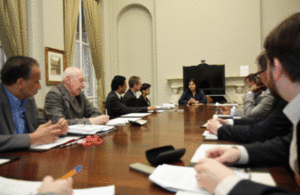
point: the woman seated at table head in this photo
(143, 100)
(193, 95)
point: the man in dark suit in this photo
(114, 102)
(282, 47)
(68, 101)
(143, 100)
(20, 122)
(247, 130)
(130, 98)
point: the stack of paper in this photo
(90, 129)
(120, 121)
(207, 135)
(135, 115)
(178, 178)
(58, 142)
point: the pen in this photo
(72, 173)
(71, 142)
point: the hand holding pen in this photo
(62, 185)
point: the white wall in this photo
(275, 11)
(219, 31)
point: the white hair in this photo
(71, 71)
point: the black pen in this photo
(69, 144)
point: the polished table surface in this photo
(108, 164)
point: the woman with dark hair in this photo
(193, 95)
(143, 100)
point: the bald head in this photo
(71, 72)
(73, 80)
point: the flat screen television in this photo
(210, 78)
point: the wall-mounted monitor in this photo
(210, 78)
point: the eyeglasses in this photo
(258, 73)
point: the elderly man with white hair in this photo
(68, 101)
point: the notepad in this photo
(90, 129)
(58, 142)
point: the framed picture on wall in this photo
(55, 65)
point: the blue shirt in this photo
(18, 109)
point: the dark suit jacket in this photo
(143, 102)
(275, 124)
(60, 104)
(187, 95)
(8, 139)
(269, 153)
(115, 107)
(130, 99)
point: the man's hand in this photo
(210, 173)
(225, 155)
(45, 134)
(254, 88)
(63, 123)
(152, 108)
(60, 186)
(99, 120)
(222, 121)
(213, 126)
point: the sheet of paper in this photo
(200, 152)
(120, 121)
(135, 115)
(158, 111)
(170, 105)
(22, 187)
(264, 178)
(107, 190)
(174, 178)
(3, 161)
(244, 70)
(58, 142)
(17, 187)
(209, 136)
(187, 193)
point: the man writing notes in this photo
(68, 101)
(282, 47)
(114, 102)
(20, 122)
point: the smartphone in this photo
(146, 169)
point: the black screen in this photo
(210, 78)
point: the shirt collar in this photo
(15, 103)
(119, 96)
(292, 110)
(133, 93)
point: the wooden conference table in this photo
(108, 164)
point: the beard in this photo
(272, 86)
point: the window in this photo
(2, 57)
(83, 60)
